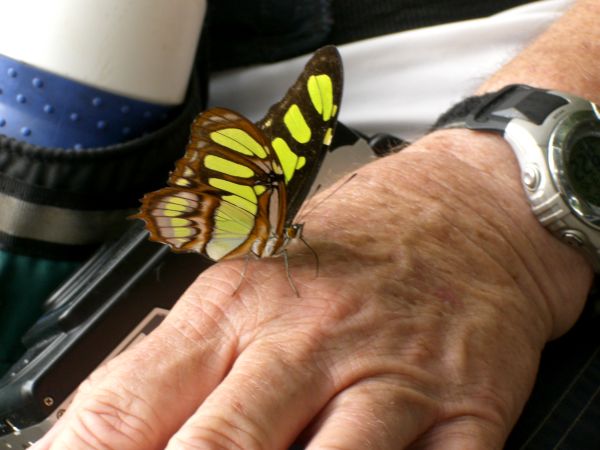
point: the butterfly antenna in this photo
(316, 205)
(301, 213)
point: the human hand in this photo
(423, 328)
(437, 290)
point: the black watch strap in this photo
(493, 111)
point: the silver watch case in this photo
(542, 152)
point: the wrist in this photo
(485, 188)
(565, 59)
(434, 240)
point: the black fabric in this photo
(262, 31)
(107, 200)
(359, 19)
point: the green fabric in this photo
(25, 283)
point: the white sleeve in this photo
(399, 83)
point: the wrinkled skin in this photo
(437, 291)
(388, 346)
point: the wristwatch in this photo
(556, 139)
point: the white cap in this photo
(143, 49)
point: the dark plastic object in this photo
(87, 318)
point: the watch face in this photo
(574, 164)
(583, 168)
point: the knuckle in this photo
(221, 434)
(106, 421)
(202, 319)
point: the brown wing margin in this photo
(182, 219)
(191, 170)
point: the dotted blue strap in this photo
(48, 110)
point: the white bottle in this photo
(86, 73)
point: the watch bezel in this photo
(567, 131)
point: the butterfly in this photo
(239, 185)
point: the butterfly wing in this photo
(238, 183)
(219, 195)
(300, 127)
(223, 145)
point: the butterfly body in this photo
(239, 185)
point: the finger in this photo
(377, 413)
(45, 441)
(463, 433)
(269, 396)
(122, 405)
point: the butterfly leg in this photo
(314, 254)
(287, 273)
(243, 274)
